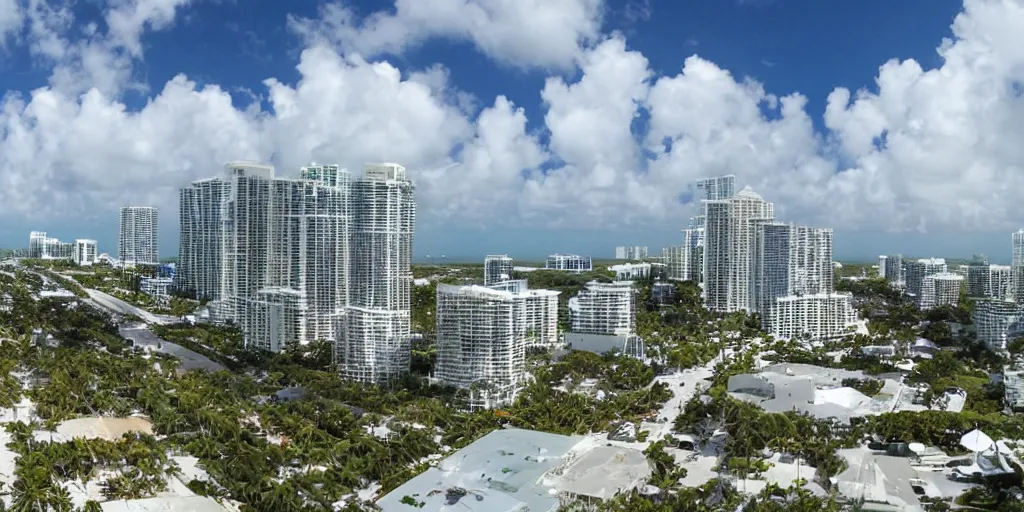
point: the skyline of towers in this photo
(781, 271)
(317, 257)
(138, 242)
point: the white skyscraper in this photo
(200, 244)
(717, 188)
(730, 242)
(1018, 248)
(1017, 267)
(794, 283)
(309, 258)
(137, 244)
(270, 252)
(305, 288)
(245, 237)
(791, 260)
(36, 244)
(497, 268)
(376, 346)
(1000, 282)
(891, 268)
(482, 337)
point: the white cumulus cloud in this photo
(616, 145)
(11, 19)
(523, 33)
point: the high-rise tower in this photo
(376, 345)
(199, 251)
(137, 243)
(729, 250)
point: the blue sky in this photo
(786, 46)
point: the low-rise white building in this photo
(1013, 382)
(604, 308)
(939, 289)
(631, 271)
(157, 287)
(819, 316)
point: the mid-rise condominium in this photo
(630, 252)
(604, 308)
(497, 268)
(376, 346)
(85, 252)
(916, 270)
(819, 316)
(569, 263)
(998, 322)
(137, 243)
(891, 268)
(940, 289)
(49, 248)
(483, 334)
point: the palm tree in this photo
(92, 506)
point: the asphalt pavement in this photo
(190, 360)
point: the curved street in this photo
(116, 305)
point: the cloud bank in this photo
(922, 149)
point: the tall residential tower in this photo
(376, 344)
(730, 240)
(137, 243)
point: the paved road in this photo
(116, 305)
(189, 360)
